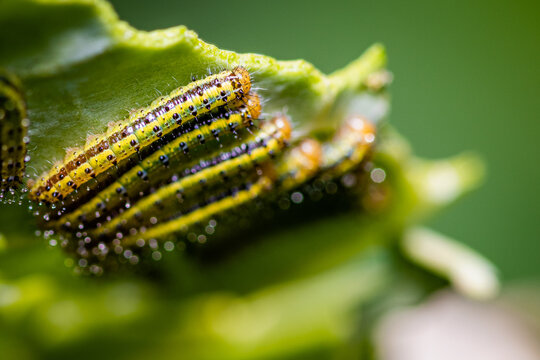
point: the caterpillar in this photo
(182, 223)
(299, 164)
(139, 131)
(13, 134)
(309, 159)
(348, 147)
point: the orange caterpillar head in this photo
(307, 155)
(358, 129)
(283, 126)
(243, 77)
(251, 106)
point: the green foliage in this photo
(293, 291)
(84, 68)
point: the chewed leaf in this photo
(84, 68)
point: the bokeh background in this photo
(467, 77)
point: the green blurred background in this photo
(467, 76)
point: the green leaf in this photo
(83, 68)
